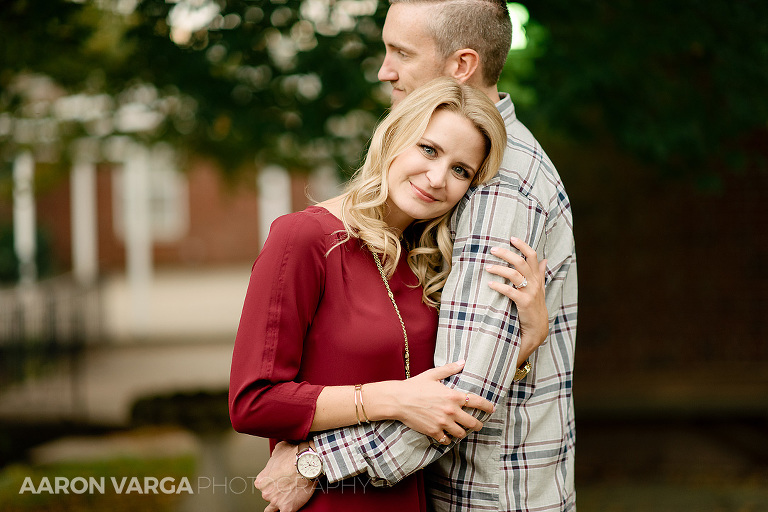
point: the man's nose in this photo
(386, 72)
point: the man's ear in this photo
(463, 65)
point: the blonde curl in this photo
(364, 203)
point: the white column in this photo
(85, 255)
(138, 236)
(274, 185)
(324, 183)
(24, 216)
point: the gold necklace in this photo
(397, 310)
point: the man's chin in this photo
(397, 95)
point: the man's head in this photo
(466, 39)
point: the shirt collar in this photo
(506, 108)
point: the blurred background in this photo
(147, 145)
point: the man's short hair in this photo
(480, 25)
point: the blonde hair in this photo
(364, 203)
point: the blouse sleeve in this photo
(283, 293)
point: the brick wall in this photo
(223, 220)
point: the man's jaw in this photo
(397, 95)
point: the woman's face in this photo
(429, 178)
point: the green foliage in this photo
(520, 69)
(202, 412)
(46, 37)
(679, 84)
(9, 262)
(12, 478)
(260, 79)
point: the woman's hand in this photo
(525, 286)
(426, 405)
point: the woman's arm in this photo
(286, 283)
(264, 398)
(423, 403)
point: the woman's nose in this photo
(437, 176)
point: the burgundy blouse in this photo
(314, 318)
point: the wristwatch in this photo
(522, 371)
(308, 462)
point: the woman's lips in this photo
(423, 195)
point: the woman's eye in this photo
(462, 172)
(428, 150)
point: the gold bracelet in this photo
(358, 387)
(361, 404)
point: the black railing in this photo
(45, 323)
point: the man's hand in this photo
(279, 482)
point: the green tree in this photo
(681, 85)
(288, 82)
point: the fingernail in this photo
(460, 362)
(488, 267)
(494, 250)
(514, 239)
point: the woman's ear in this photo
(463, 65)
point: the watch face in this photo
(309, 465)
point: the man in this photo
(523, 458)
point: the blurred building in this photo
(152, 264)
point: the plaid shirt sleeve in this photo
(526, 200)
(388, 451)
(523, 457)
(477, 324)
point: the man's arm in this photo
(388, 451)
(477, 324)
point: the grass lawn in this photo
(131, 498)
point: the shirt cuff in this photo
(340, 454)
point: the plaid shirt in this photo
(523, 458)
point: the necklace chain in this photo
(397, 310)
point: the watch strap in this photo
(522, 371)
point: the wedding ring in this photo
(466, 400)
(522, 285)
(443, 439)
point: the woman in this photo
(342, 302)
